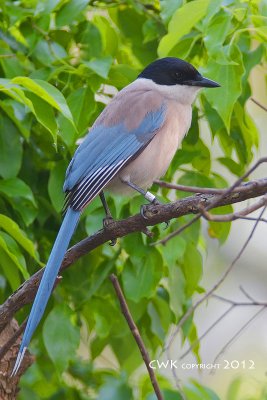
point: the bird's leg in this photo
(147, 195)
(108, 218)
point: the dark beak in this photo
(203, 82)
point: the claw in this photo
(142, 211)
(155, 202)
(107, 221)
(167, 224)
(113, 242)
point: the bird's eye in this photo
(178, 75)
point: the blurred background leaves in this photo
(60, 63)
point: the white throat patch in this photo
(181, 93)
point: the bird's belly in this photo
(154, 160)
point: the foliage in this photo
(59, 62)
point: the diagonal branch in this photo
(215, 287)
(237, 215)
(216, 201)
(136, 334)
(155, 214)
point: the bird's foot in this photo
(154, 202)
(107, 221)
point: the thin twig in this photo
(248, 296)
(233, 304)
(245, 218)
(175, 377)
(237, 215)
(198, 340)
(240, 303)
(231, 341)
(204, 190)
(258, 104)
(214, 203)
(215, 287)
(135, 332)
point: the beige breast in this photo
(155, 159)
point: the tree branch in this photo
(216, 200)
(137, 337)
(233, 304)
(258, 104)
(215, 287)
(155, 214)
(237, 215)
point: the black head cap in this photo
(174, 71)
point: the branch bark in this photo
(155, 214)
(136, 334)
(9, 386)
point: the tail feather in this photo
(48, 280)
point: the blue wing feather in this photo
(103, 153)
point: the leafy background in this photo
(60, 62)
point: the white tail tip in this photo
(18, 362)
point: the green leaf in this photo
(61, 336)
(195, 391)
(114, 388)
(82, 105)
(232, 165)
(9, 266)
(15, 187)
(10, 149)
(108, 34)
(70, 11)
(167, 395)
(234, 389)
(176, 285)
(12, 67)
(160, 316)
(216, 32)
(220, 230)
(184, 47)
(46, 92)
(174, 251)
(156, 326)
(201, 161)
(55, 185)
(230, 78)
(18, 115)
(195, 179)
(44, 114)
(49, 53)
(90, 40)
(192, 268)
(181, 23)
(100, 66)
(121, 75)
(13, 230)
(168, 8)
(12, 261)
(192, 337)
(15, 92)
(141, 278)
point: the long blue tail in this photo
(50, 274)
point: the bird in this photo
(131, 143)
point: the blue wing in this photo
(103, 153)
